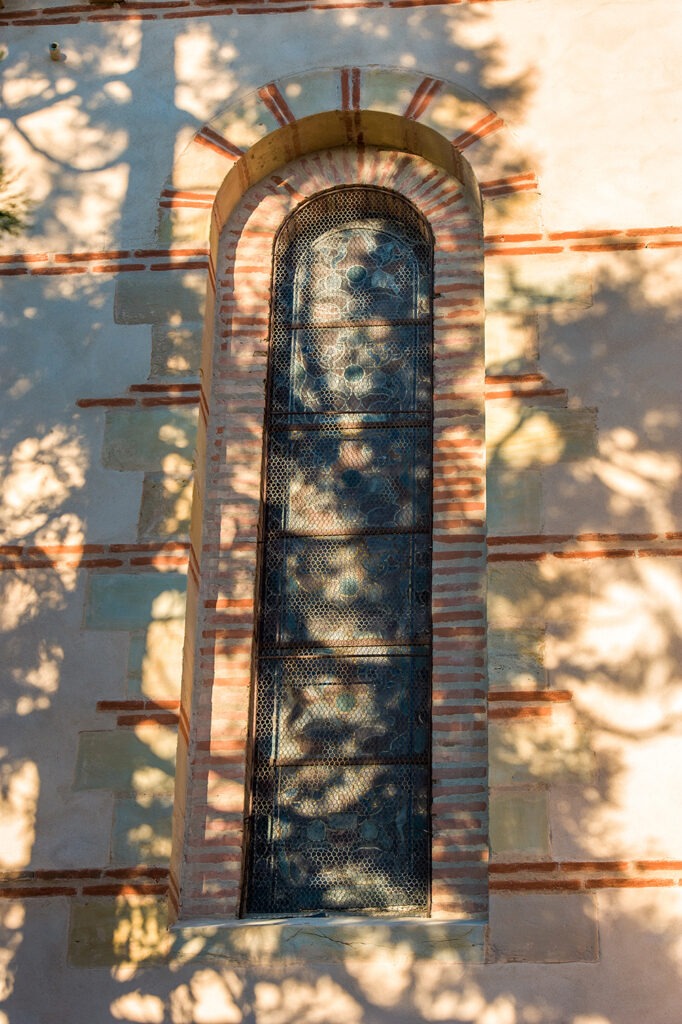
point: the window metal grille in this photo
(340, 787)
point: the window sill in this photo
(331, 940)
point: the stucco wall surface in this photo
(589, 89)
(129, 156)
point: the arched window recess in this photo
(340, 777)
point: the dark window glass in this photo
(340, 788)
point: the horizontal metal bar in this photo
(378, 531)
(345, 762)
(357, 425)
(344, 324)
(413, 650)
(352, 644)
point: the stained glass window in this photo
(340, 786)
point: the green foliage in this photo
(13, 206)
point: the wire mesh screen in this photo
(341, 784)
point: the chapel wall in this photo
(136, 151)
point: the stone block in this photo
(334, 940)
(150, 439)
(519, 822)
(142, 831)
(155, 661)
(148, 297)
(125, 930)
(132, 930)
(531, 594)
(526, 283)
(540, 750)
(514, 501)
(516, 658)
(128, 602)
(511, 343)
(176, 350)
(523, 437)
(546, 928)
(127, 761)
(517, 594)
(166, 506)
(136, 652)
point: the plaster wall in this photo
(583, 296)
(588, 88)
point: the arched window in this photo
(340, 780)
(318, 771)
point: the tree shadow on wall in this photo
(587, 757)
(633, 475)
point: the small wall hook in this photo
(55, 52)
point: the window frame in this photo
(327, 208)
(207, 858)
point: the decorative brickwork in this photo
(207, 866)
(95, 11)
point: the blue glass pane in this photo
(342, 837)
(359, 272)
(344, 708)
(374, 372)
(330, 592)
(340, 786)
(340, 482)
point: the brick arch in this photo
(287, 118)
(207, 863)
